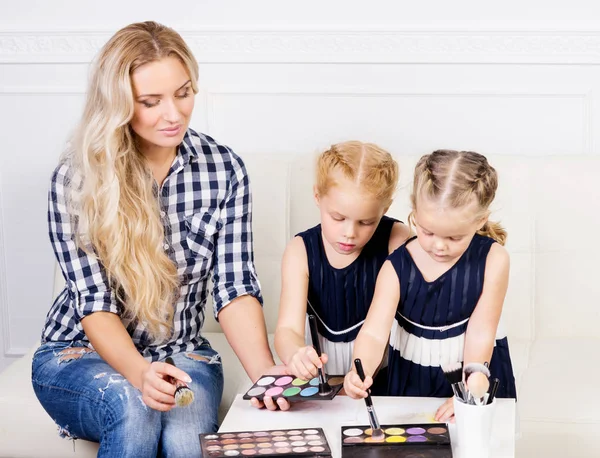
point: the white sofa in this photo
(549, 206)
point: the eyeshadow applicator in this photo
(324, 388)
(183, 395)
(373, 420)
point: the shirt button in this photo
(163, 214)
(166, 246)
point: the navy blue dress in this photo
(340, 298)
(431, 321)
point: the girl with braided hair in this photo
(441, 293)
(330, 270)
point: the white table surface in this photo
(343, 411)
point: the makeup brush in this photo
(324, 388)
(477, 381)
(454, 375)
(493, 390)
(184, 396)
(377, 431)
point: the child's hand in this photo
(268, 402)
(354, 387)
(305, 363)
(445, 413)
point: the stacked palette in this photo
(428, 440)
(294, 389)
(284, 442)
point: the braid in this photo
(454, 178)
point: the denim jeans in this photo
(90, 400)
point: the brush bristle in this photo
(478, 385)
(476, 367)
(183, 396)
(377, 435)
(453, 372)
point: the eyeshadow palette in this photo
(293, 389)
(283, 442)
(422, 440)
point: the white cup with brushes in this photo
(473, 413)
(474, 428)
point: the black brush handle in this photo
(312, 322)
(368, 401)
(361, 374)
(493, 390)
(168, 378)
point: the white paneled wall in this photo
(524, 80)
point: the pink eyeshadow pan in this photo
(352, 440)
(283, 381)
(275, 391)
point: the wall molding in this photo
(333, 45)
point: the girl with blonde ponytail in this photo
(442, 291)
(329, 270)
(137, 243)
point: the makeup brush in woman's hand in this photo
(184, 396)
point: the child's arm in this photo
(302, 360)
(375, 332)
(481, 331)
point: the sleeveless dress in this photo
(340, 298)
(431, 321)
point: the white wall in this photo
(516, 78)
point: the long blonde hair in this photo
(115, 206)
(454, 178)
(366, 164)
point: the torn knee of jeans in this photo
(71, 353)
(216, 359)
(65, 433)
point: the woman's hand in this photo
(354, 387)
(281, 403)
(305, 363)
(445, 413)
(157, 389)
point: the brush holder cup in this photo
(474, 429)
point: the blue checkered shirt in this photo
(205, 205)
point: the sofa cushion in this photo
(559, 382)
(24, 419)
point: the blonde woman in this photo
(142, 212)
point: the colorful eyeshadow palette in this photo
(422, 440)
(283, 442)
(293, 389)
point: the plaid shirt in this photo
(205, 204)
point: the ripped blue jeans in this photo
(88, 399)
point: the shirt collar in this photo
(186, 152)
